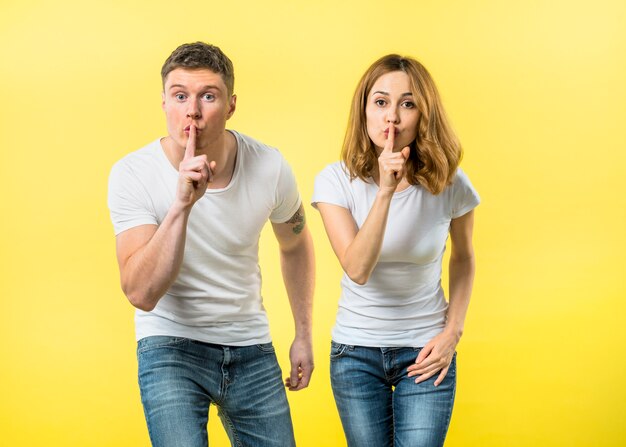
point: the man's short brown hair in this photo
(198, 55)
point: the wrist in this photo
(454, 329)
(180, 208)
(385, 193)
(305, 334)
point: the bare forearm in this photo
(298, 268)
(460, 288)
(152, 269)
(362, 254)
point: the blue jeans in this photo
(179, 378)
(381, 406)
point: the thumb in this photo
(293, 376)
(406, 151)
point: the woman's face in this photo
(391, 103)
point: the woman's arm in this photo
(437, 354)
(358, 249)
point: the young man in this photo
(187, 211)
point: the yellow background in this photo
(536, 91)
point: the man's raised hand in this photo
(194, 172)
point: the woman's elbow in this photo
(358, 277)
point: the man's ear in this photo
(233, 106)
(163, 100)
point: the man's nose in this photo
(193, 111)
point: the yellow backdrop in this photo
(536, 91)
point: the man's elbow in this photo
(140, 304)
(139, 300)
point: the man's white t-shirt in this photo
(402, 303)
(216, 297)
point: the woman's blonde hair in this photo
(436, 151)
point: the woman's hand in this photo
(391, 164)
(435, 357)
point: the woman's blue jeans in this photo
(179, 378)
(381, 406)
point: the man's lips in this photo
(188, 128)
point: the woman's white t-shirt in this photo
(402, 303)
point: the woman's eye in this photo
(380, 102)
(408, 104)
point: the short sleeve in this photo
(330, 187)
(287, 198)
(128, 201)
(464, 196)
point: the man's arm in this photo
(150, 256)
(297, 262)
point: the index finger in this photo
(391, 136)
(190, 149)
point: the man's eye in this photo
(180, 96)
(208, 97)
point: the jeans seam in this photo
(175, 341)
(342, 350)
(263, 349)
(231, 427)
(145, 410)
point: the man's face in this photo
(197, 97)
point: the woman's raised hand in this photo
(391, 164)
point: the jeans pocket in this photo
(337, 350)
(452, 369)
(265, 347)
(158, 341)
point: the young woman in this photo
(388, 207)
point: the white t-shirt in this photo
(216, 297)
(402, 303)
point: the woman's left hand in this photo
(435, 357)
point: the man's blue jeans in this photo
(381, 406)
(179, 378)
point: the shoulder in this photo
(336, 171)
(462, 195)
(460, 176)
(137, 160)
(461, 182)
(251, 147)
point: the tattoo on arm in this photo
(298, 220)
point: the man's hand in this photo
(194, 172)
(391, 164)
(301, 357)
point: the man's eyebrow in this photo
(205, 87)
